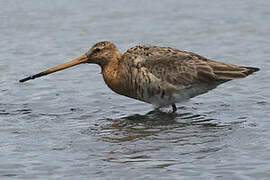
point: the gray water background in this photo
(69, 125)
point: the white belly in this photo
(161, 100)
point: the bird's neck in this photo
(111, 72)
(111, 68)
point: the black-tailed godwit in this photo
(161, 76)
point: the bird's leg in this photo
(174, 108)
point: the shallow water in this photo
(69, 125)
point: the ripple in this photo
(158, 132)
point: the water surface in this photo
(69, 125)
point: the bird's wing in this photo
(179, 68)
(183, 68)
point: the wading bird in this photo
(161, 76)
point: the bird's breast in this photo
(117, 81)
(140, 84)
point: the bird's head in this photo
(101, 53)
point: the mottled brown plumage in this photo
(158, 75)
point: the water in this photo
(69, 125)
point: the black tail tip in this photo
(250, 70)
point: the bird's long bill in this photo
(80, 60)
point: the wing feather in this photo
(179, 68)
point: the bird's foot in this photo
(174, 108)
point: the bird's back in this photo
(162, 61)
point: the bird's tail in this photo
(226, 71)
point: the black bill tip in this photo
(34, 76)
(26, 79)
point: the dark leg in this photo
(174, 109)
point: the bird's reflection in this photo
(160, 138)
(157, 123)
